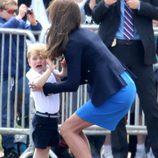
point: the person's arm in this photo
(148, 9)
(89, 5)
(101, 9)
(11, 23)
(63, 73)
(14, 21)
(34, 24)
(41, 80)
(73, 60)
(92, 4)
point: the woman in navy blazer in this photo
(111, 89)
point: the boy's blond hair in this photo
(37, 49)
(4, 3)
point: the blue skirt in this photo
(113, 109)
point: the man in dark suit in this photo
(137, 53)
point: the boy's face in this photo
(37, 62)
(9, 11)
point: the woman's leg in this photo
(71, 131)
(85, 139)
(41, 153)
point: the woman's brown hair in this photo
(64, 16)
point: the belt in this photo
(128, 42)
(48, 115)
(125, 42)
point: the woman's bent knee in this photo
(64, 130)
(73, 125)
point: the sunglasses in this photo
(11, 11)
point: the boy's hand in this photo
(63, 63)
(51, 65)
(63, 73)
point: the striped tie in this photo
(128, 23)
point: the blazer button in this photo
(88, 71)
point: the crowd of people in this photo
(119, 57)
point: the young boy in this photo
(45, 122)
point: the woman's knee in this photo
(73, 125)
(64, 129)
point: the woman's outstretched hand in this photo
(34, 87)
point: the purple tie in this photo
(128, 31)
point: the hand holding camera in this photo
(24, 10)
(31, 17)
(29, 11)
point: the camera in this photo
(29, 11)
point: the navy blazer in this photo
(108, 19)
(89, 61)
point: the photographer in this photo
(37, 5)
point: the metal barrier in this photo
(14, 43)
(69, 101)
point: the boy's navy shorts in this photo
(45, 131)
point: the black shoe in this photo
(64, 153)
(10, 153)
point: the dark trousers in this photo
(119, 140)
(132, 56)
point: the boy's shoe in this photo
(63, 150)
(105, 153)
(10, 153)
(140, 154)
(65, 154)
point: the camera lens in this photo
(29, 11)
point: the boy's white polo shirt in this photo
(43, 104)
